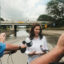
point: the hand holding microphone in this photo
(27, 43)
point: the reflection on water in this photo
(22, 34)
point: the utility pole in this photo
(0, 15)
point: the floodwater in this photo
(18, 57)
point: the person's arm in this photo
(53, 55)
(10, 52)
(40, 53)
(10, 46)
(35, 53)
(31, 53)
(14, 47)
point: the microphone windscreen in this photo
(24, 42)
(29, 44)
(27, 40)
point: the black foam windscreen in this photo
(24, 42)
(29, 44)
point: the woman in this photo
(38, 41)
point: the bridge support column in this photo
(15, 30)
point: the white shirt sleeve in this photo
(45, 47)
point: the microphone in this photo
(42, 49)
(22, 50)
(28, 42)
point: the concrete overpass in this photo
(13, 24)
(22, 23)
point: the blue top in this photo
(2, 48)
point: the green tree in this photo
(45, 18)
(55, 9)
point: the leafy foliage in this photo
(56, 10)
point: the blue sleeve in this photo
(2, 48)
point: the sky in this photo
(23, 10)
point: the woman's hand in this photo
(32, 53)
(40, 53)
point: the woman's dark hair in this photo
(32, 31)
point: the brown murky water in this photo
(18, 57)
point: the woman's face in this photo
(37, 30)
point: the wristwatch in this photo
(19, 47)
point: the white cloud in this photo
(31, 3)
(22, 9)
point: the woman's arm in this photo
(35, 53)
(40, 53)
(31, 53)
